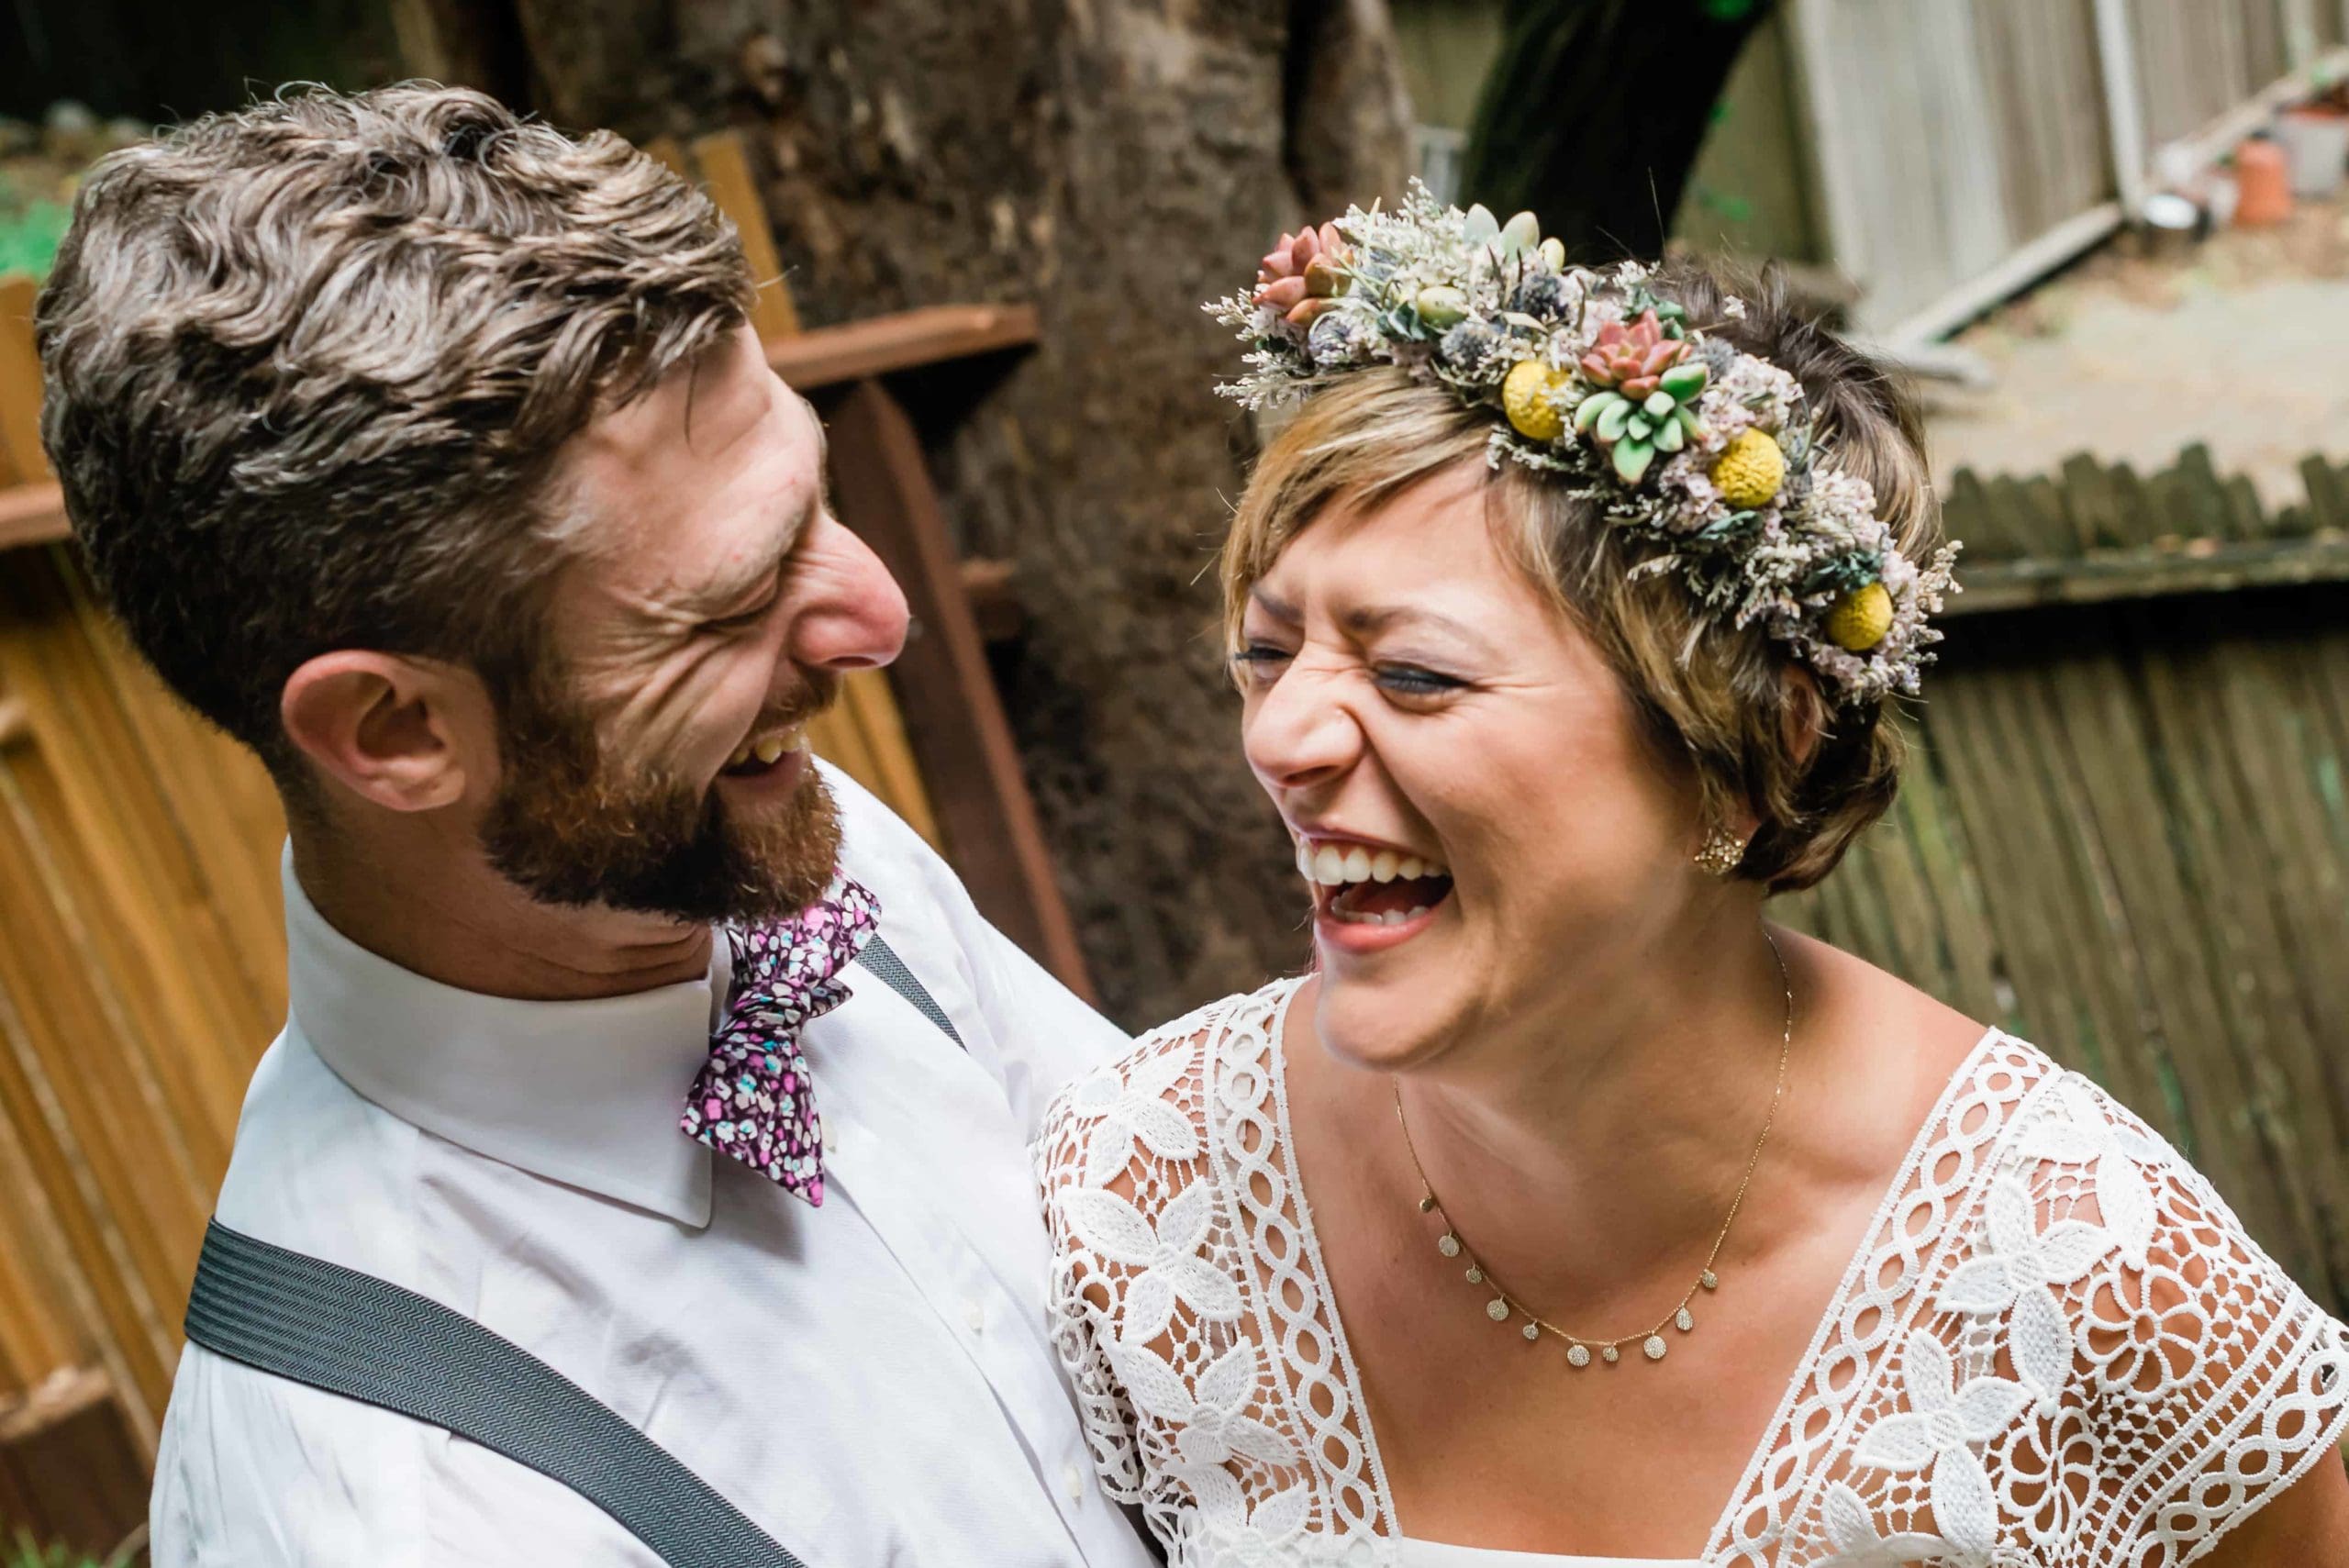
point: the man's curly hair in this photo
(309, 366)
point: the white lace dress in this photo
(1996, 1384)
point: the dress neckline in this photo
(1283, 995)
(1416, 1554)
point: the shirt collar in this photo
(583, 1092)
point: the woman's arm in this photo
(2308, 1522)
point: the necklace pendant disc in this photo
(1654, 1347)
(1427, 1204)
(1496, 1309)
(1533, 1333)
(1475, 1274)
(1448, 1244)
(1578, 1355)
(1611, 1355)
(1683, 1321)
(1710, 1280)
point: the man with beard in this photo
(428, 452)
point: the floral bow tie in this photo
(753, 1099)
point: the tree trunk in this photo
(1116, 163)
(1594, 112)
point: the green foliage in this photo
(30, 231)
(25, 1553)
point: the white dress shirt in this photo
(871, 1382)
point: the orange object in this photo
(2263, 179)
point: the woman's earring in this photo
(1721, 853)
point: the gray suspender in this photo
(353, 1334)
(882, 960)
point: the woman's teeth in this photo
(1333, 867)
(1353, 880)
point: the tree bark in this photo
(1116, 163)
(1594, 111)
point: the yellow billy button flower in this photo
(1750, 470)
(1525, 398)
(1860, 619)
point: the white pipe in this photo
(2124, 108)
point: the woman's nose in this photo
(1300, 733)
(854, 616)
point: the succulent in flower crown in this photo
(1702, 453)
(1301, 275)
(1642, 393)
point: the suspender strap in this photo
(882, 959)
(366, 1338)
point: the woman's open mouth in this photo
(1367, 895)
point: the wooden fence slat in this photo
(732, 186)
(898, 777)
(953, 714)
(2223, 1093)
(39, 978)
(21, 459)
(1929, 821)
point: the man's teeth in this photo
(1332, 867)
(767, 749)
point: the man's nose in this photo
(855, 618)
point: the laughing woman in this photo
(1569, 1211)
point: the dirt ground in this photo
(2242, 341)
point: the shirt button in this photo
(831, 1138)
(975, 1312)
(1074, 1479)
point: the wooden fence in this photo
(2125, 832)
(1962, 147)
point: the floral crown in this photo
(1703, 451)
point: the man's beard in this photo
(569, 828)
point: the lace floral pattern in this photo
(2055, 1349)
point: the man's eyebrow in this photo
(728, 592)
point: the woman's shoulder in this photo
(2063, 1324)
(2127, 1289)
(1153, 1102)
(2099, 1175)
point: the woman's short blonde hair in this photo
(1727, 703)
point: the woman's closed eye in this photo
(1259, 662)
(1415, 680)
(1262, 662)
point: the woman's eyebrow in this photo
(1371, 620)
(1273, 605)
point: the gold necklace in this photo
(1505, 1304)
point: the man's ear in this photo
(389, 728)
